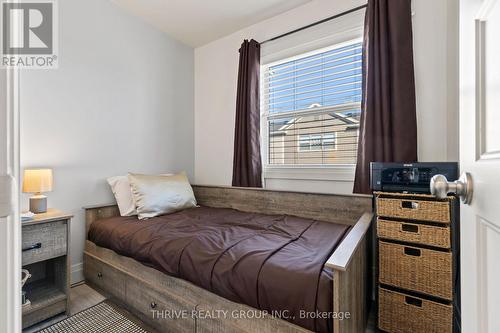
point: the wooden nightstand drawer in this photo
(42, 241)
(417, 269)
(414, 209)
(414, 233)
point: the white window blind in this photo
(311, 106)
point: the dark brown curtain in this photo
(247, 164)
(388, 131)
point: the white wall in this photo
(435, 50)
(121, 100)
(435, 36)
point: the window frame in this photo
(338, 172)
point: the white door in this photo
(10, 229)
(480, 156)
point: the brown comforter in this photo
(269, 262)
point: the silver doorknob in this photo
(440, 187)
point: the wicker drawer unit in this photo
(402, 313)
(438, 236)
(415, 262)
(414, 209)
(422, 270)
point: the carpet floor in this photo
(103, 317)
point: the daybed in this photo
(171, 303)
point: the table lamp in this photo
(37, 181)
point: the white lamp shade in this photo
(37, 180)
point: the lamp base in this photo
(38, 204)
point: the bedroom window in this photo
(311, 107)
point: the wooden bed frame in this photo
(171, 304)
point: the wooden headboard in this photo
(345, 209)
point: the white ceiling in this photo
(197, 22)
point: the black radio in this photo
(409, 177)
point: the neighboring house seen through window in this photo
(311, 107)
(317, 142)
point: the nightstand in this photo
(45, 246)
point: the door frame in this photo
(10, 227)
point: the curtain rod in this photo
(315, 23)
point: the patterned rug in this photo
(104, 317)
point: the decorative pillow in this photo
(158, 195)
(120, 187)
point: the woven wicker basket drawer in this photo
(414, 233)
(423, 210)
(406, 314)
(417, 269)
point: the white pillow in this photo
(157, 195)
(120, 186)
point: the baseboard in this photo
(74, 285)
(77, 273)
